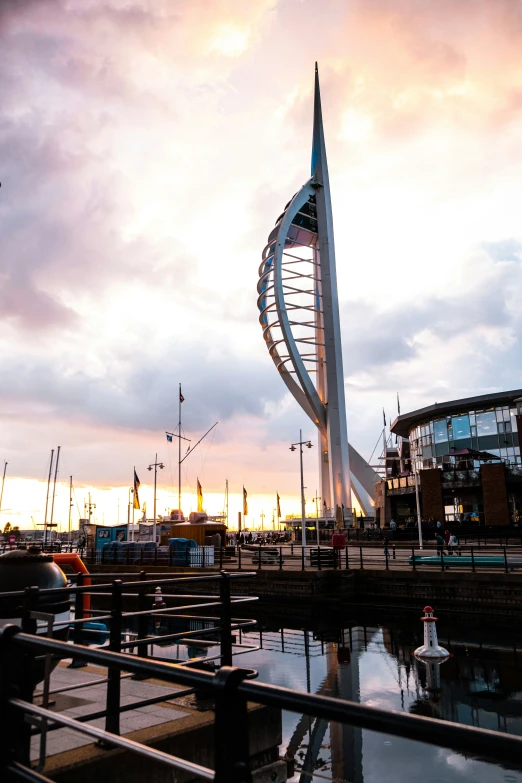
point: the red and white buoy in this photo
(159, 603)
(431, 647)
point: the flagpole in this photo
(128, 514)
(133, 496)
(179, 451)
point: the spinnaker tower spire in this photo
(299, 315)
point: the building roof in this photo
(403, 423)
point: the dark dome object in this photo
(21, 568)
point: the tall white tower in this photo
(299, 314)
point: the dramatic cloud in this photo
(147, 148)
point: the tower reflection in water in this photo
(481, 685)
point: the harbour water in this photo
(480, 685)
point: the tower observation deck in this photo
(299, 314)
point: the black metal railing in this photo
(388, 554)
(220, 625)
(231, 691)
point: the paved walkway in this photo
(90, 699)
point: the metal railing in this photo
(221, 625)
(388, 555)
(231, 691)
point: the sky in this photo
(148, 147)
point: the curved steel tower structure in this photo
(299, 315)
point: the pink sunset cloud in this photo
(148, 148)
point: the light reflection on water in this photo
(480, 685)
(477, 687)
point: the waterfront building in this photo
(466, 454)
(299, 315)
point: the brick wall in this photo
(431, 494)
(382, 503)
(496, 508)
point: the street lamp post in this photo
(317, 499)
(129, 504)
(308, 444)
(155, 465)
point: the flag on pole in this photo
(136, 488)
(200, 496)
(278, 506)
(384, 417)
(398, 404)
(169, 437)
(181, 397)
(245, 502)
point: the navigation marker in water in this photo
(431, 647)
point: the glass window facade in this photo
(461, 427)
(493, 430)
(486, 423)
(440, 429)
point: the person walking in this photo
(393, 528)
(447, 536)
(440, 544)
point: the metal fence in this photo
(389, 555)
(220, 625)
(231, 690)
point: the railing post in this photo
(505, 560)
(220, 558)
(79, 614)
(16, 680)
(442, 558)
(303, 565)
(226, 620)
(239, 557)
(472, 561)
(231, 753)
(319, 566)
(361, 556)
(346, 556)
(280, 558)
(386, 556)
(112, 719)
(143, 621)
(413, 558)
(259, 562)
(393, 551)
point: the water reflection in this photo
(480, 685)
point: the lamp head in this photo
(149, 468)
(292, 448)
(161, 465)
(309, 445)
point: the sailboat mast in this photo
(47, 498)
(54, 488)
(70, 508)
(3, 482)
(179, 450)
